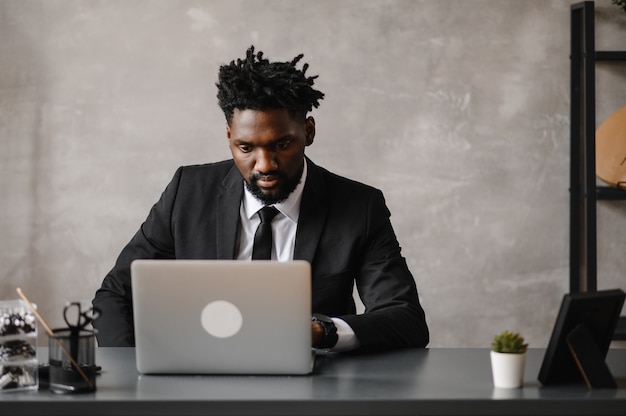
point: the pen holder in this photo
(18, 347)
(68, 350)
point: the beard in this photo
(273, 197)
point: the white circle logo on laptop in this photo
(221, 319)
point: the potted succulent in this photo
(508, 357)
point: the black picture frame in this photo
(580, 340)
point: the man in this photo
(340, 226)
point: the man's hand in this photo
(317, 334)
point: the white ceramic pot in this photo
(508, 369)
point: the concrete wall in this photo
(457, 109)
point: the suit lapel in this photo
(229, 201)
(313, 210)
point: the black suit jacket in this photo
(343, 231)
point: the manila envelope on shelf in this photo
(611, 150)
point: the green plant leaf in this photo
(509, 342)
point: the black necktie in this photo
(262, 249)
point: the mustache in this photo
(254, 177)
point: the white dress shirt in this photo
(284, 227)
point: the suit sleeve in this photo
(393, 315)
(154, 240)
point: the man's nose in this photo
(265, 161)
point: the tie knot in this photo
(267, 213)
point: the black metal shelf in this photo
(584, 193)
(611, 56)
(608, 193)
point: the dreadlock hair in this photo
(258, 84)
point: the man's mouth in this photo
(271, 187)
(266, 181)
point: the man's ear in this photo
(309, 129)
(227, 131)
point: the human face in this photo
(268, 149)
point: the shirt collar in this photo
(289, 207)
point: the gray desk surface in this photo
(429, 382)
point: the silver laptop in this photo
(222, 316)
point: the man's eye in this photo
(245, 148)
(283, 145)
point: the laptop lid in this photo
(222, 316)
